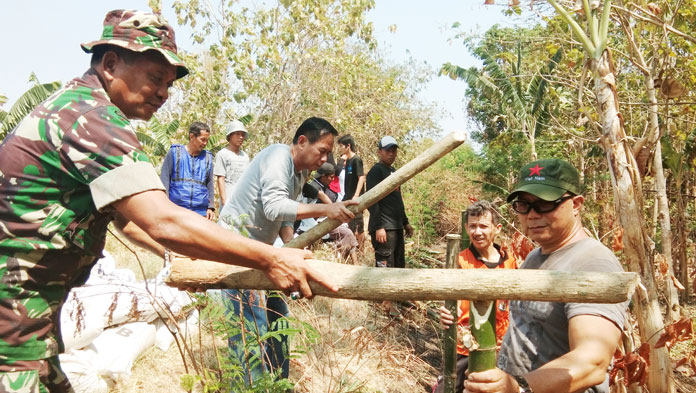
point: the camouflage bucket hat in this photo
(139, 31)
(547, 179)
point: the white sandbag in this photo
(187, 328)
(103, 268)
(104, 271)
(117, 348)
(112, 298)
(90, 309)
(163, 337)
(169, 301)
(80, 368)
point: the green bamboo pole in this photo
(464, 242)
(450, 338)
(482, 325)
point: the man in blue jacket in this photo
(187, 172)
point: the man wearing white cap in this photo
(231, 161)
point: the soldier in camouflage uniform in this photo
(74, 165)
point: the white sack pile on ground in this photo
(109, 321)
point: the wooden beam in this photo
(371, 283)
(422, 161)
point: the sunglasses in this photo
(540, 206)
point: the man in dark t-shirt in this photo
(387, 217)
(354, 184)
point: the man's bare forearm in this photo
(359, 187)
(188, 233)
(137, 236)
(221, 190)
(286, 233)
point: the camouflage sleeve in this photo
(102, 141)
(110, 187)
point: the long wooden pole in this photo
(378, 284)
(450, 339)
(422, 161)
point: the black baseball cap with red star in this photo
(547, 179)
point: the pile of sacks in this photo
(109, 321)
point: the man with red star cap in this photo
(554, 347)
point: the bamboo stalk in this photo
(482, 326)
(422, 161)
(378, 284)
(450, 337)
(464, 242)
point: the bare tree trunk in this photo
(628, 198)
(532, 142)
(652, 143)
(673, 311)
(655, 216)
(581, 154)
(681, 226)
(595, 185)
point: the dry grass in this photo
(127, 255)
(357, 348)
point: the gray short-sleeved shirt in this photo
(231, 165)
(265, 196)
(538, 331)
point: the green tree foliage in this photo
(285, 62)
(156, 137)
(508, 97)
(25, 104)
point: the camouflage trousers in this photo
(38, 376)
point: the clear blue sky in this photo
(43, 36)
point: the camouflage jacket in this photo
(60, 169)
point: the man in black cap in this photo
(549, 346)
(388, 216)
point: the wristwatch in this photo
(522, 383)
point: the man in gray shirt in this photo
(553, 347)
(231, 161)
(263, 205)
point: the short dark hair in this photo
(314, 128)
(347, 140)
(196, 127)
(127, 55)
(479, 208)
